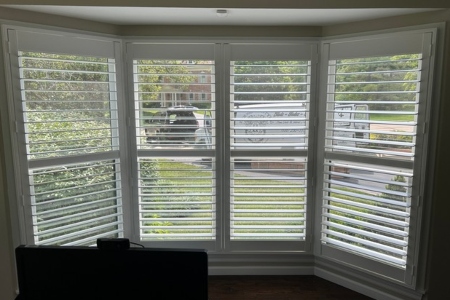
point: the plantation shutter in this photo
(175, 146)
(65, 102)
(373, 152)
(268, 142)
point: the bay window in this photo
(235, 147)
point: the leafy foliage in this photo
(154, 76)
(391, 78)
(270, 80)
(68, 110)
(67, 102)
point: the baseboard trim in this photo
(246, 264)
(376, 290)
(260, 270)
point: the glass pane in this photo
(175, 104)
(269, 104)
(177, 199)
(69, 104)
(76, 204)
(372, 105)
(268, 198)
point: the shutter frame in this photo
(333, 252)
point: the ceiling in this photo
(209, 16)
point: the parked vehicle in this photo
(273, 126)
(176, 124)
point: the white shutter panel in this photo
(68, 135)
(373, 152)
(175, 129)
(269, 134)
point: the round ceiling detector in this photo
(221, 13)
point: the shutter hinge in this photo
(419, 201)
(317, 54)
(9, 47)
(309, 242)
(413, 271)
(424, 128)
(16, 127)
(23, 200)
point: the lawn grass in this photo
(392, 118)
(182, 178)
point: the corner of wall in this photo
(7, 271)
(363, 283)
(42, 19)
(387, 23)
(438, 260)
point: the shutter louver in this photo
(67, 104)
(174, 99)
(75, 205)
(270, 104)
(177, 199)
(372, 106)
(367, 208)
(268, 199)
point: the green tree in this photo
(154, 75)
(67, 104)
(391, 78)
(396, 188)
(270, 80)
(67, 109)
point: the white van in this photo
(278, 126)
